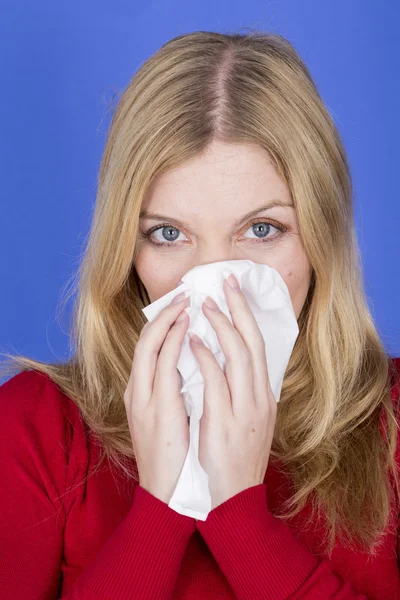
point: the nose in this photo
(216, 254)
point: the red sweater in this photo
(69, 532)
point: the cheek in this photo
(298, 283)
(157, 280)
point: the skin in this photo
(208, 195)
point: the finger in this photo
(167, 383)
(217, 404)
(239, 368)
(148, 348)
(129, 384)
(245, 323)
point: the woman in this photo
(211, 128)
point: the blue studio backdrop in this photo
(62, 66)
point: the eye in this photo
(168, 234)
(261, 229)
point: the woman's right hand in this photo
(155, 407)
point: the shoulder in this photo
(32, 398)
(43, 435)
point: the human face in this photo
(202, 203)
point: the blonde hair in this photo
(243, 88)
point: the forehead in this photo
(226, 164)
(225, 177)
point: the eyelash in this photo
(282, 229)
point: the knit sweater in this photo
(70, 531)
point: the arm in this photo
(260, 556)
(262, 559)
(142, 558)
(41, 454)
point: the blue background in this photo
(61, 68)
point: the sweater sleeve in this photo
(142, 557)
(262, 558)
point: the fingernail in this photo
(183, 314)
(196, 338)
(178, 298)
(233, 282)
(211, 304)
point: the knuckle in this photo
(260, 342)
(246, 358)
(273, 406)
(136, 410)
(138, 347)
(127, 396)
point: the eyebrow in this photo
(145, 214)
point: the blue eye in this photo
(262, 229)
(171, 232)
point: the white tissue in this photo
(269, 300)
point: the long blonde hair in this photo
(243, 88)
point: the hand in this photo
(238, 421)
(156, 412)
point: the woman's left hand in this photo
(238, 421)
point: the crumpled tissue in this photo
(269, 300)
